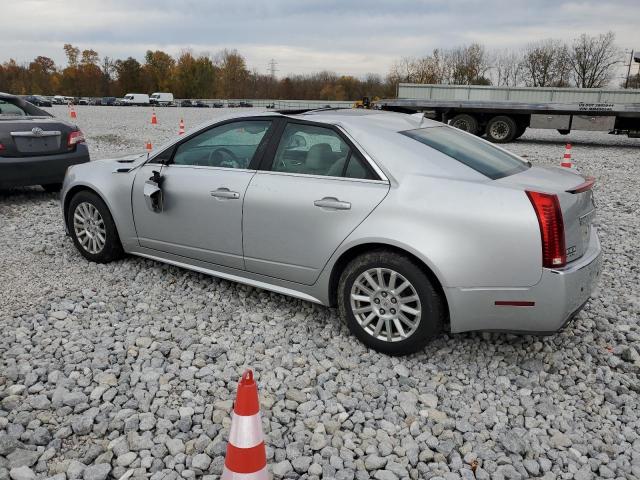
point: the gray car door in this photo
(203, 189)
(316, 189)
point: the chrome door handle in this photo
(225, 193)
(333, 203)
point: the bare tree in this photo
(546, 64)
(592, 59)
(507, 68)
(468, 65)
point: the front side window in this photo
(232, 145)
(313, 150)
(469, 150)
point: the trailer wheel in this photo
(501, 129)
(465, 122)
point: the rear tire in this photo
(501, 129)
(92, 228)
(389, 319)
(52, 187)
(465, 122)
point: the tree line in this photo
(588, 61)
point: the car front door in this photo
(313, 190)
(202, 187)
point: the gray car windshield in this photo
(469, 150)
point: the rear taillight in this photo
(1, 147)
(75, 138)
(547, 208)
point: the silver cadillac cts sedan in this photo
(409, 226)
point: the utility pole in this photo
(626, 83)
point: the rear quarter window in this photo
(470, 151)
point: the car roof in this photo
(355, 118)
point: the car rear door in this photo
(203, 189)
(313, 189)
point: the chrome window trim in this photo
(206, 167)
(326, 177)
(365, 155)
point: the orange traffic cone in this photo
(181, 127)
(566, 162)
(72, 112)
(148, 145)
(246, 455)
(154, 119)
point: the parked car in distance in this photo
(58, 100)
(35, 147)
(161, 99)
(83, 101)
(218, 105)
(232, 105)
(245, 104)
(38, 101)
(408, 226)
(200, 104)
(136, 99)
(108, 101)
(186, 103)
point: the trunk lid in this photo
(34, 136)
(577, 204)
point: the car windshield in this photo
(477, 154)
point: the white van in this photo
(161, 98)
(136, 99)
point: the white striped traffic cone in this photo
(181, 127)
(566, 161)
(246, 455)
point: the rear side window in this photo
(10, 109)
(469, 150)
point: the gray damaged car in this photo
(408, 226)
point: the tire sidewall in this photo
(431, 303)
(112, 247)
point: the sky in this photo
(352, 37)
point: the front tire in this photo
(92, 228)
(389, 303)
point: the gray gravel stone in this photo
(22, 473)
(97, 472)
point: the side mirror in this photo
(153, 193)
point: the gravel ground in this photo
(132, 366)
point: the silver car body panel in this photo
(479, 237)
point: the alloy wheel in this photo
(385, 304)
(89, 228)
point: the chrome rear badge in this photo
(37, 131)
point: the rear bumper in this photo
(21, 172)
(558, 296)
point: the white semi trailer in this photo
(504, 113)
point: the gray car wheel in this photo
(389, 302)
(92, 228)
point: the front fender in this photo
(113, 187)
